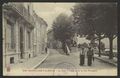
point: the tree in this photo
(102, 46)
(96, 19)
(106, 24)
(110, 28)
(85, 17)
(63, 29)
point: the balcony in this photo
(22, 11)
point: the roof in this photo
(41, 20)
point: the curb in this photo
(41, 61)
(106, 61)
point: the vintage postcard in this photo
(59, 39)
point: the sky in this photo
(49, 11)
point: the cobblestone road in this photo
(55, 59)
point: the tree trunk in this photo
(64, 47)
(99, 54)
(67, 49)
(111, 48)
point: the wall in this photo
(18, 21)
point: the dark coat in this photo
(90, 53)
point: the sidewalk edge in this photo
(41, 61)
(106, 61)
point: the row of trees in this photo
(98, 20)
(93, 20)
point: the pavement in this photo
(58, 60)
(30, 63)
(107, 60)
(56, 57)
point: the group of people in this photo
(86, 52)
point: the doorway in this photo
(21, 43)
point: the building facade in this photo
(40, 35)
(19, 36)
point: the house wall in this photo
(18, 21)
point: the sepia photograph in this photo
(59, 38)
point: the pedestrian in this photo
(46, 49)
(89, 56)
(82, 56)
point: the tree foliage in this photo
(63, 30)
(62, 27)
(96, 18)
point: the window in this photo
(11, 60)
(11, 32)
(29, 40)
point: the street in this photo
(54, 39)
(55, 59)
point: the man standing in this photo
(89, 56)
(82, 56)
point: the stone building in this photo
(40, 35)
(43, 36)
(19, 34)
